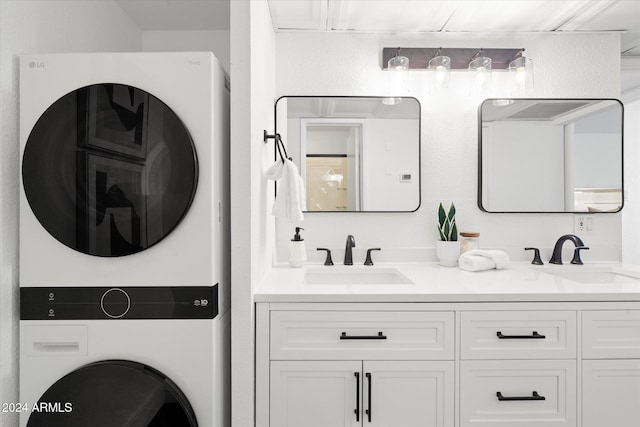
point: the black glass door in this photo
(112, 394)
(109, 170)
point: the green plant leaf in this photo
(452, 212)
(454, 233)
(441, 216)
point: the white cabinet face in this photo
(611, 393)
(315, 394)
(513, 393)
(608, 334)
(370, 393)
(518, 334)
(408, 394)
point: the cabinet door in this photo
(408, 393)
(316, 394)
(611, 393)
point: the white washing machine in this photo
(125, 161)
(128, 356)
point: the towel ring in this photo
(279, 144)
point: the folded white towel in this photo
(479, 260)
(291, 195)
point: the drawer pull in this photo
(357, 410)
(534, 396)
(368, 411)
(533, 336)
(380, 336)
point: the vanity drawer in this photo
(512, 393)
(518, 334)
(609, 334)
(357, 335)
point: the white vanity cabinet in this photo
(458, 364)
(357, 367)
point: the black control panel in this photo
(130, 302)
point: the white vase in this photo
(448, 253)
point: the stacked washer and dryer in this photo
(124, 240)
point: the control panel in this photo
(131, 302)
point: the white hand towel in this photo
(291, 196)
(479, 260)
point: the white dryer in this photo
(129, 356)
(124, 169)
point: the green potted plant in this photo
(448, 247)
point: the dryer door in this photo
(109, 170)
(113, 393)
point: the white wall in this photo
(31, 27)
(306, 65)
(631, 210)
(253, 96)
(183, 41)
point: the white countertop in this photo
(433, 283)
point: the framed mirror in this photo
(550, 155)
(355, 154)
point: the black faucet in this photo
(348, 256)
(556, 258)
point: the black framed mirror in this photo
(550, 155)
(355, 154)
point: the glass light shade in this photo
(398, 63)
(521, 73)
(397, 68)
(441, 66)
(480, 69)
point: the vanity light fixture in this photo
(480, 69)
(479, 64)
(397, 67)
(521, 72)
(441, 65)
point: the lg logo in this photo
(34, 64)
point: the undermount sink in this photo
(347, 275)
(593, 274)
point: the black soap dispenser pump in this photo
(297, 250)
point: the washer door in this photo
(109, 170)
(113, 393)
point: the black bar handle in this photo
(534, 396)
(357, 410)
(380, 336)
(535, 335)
(368, 411)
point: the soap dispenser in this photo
(297, 250)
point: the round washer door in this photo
(113, 393)
(109, 170)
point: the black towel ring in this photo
(279, 145)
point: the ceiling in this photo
(178, 15)
(470, 16)
(410, 16)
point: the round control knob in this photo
(115, 303)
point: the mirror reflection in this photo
(550, 155)
(355, 154)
